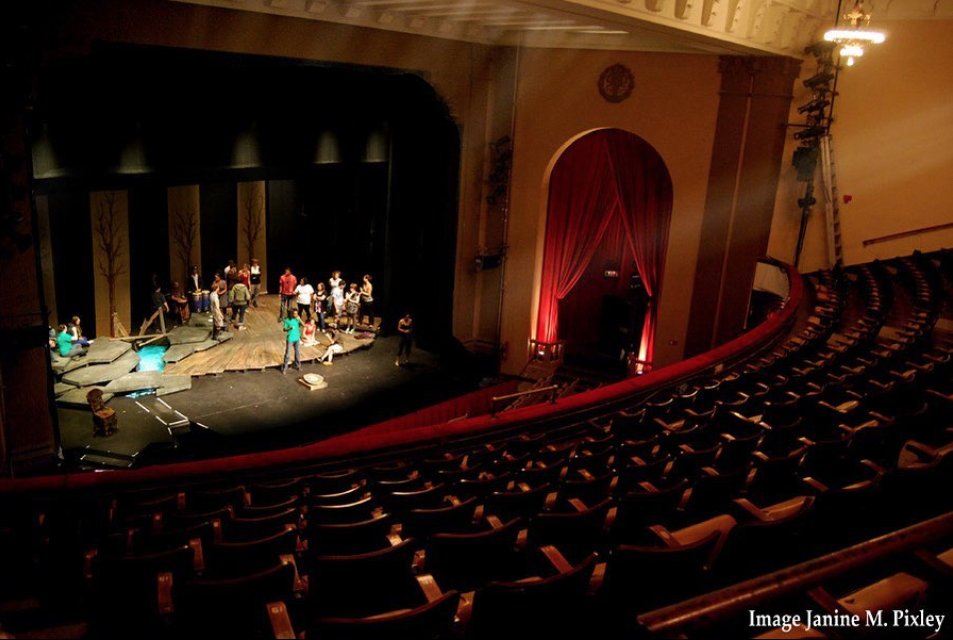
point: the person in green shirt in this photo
(292, 325)
(65, 344)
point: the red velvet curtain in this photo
(605, 174)
(580, 203)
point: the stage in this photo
(260, 409)
(259, 345)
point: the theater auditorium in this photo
(476, 319)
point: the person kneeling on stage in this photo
(66, 346)
(309, 333)
(333, 347)
(292, 326)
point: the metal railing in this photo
(906, 234)
(495, 401)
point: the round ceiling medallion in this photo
(616, 83)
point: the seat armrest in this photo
(281, 627)
(556, 559)
(597, 578)
(300, 582)
(824, 599)
(464, 612)
(578, 504)
(870, 464)
(664, 535)
(429, 587)
(815, 484)
(89, 558)
(198, 558)
(164, 594)
(747, 508)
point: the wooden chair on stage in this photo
(105, 421)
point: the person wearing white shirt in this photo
(254, 281)
(305, 293)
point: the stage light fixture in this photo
(816, 105)
(819, 79)
(810, 132)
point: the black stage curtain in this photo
(383, 202)
(72, 240)
(218, 202)
(148, 248)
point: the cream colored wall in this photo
(674, 108)
(893, 146)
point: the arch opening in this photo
(608, 217)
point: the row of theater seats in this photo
(575, 526)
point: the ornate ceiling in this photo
(694, 26)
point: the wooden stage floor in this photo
(260, 345)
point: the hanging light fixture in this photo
(853, 39)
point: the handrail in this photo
(552, 389)
(369, 442)
(701, 611)
(907, 234)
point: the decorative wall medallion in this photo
(616, 83)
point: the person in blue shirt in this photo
(292, 325)
(66, 344)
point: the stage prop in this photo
(105, 421)
(609, 181)
(313, 381)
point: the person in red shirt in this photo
(287, 285)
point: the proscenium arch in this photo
(625, 153)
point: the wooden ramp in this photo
(260, 345)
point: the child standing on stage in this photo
(367, 301)
(352, 306)
(254, 279)
(320, 304)
(337, 301)
(334, 280)
(304, 292)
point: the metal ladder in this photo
(835, 247)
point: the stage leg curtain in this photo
(605, 174)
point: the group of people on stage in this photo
(230, 293)
(69, 341)
(343, 305)
(307, 309)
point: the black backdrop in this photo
(216, 119)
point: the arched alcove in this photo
(608, 216)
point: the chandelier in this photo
(853, 39)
